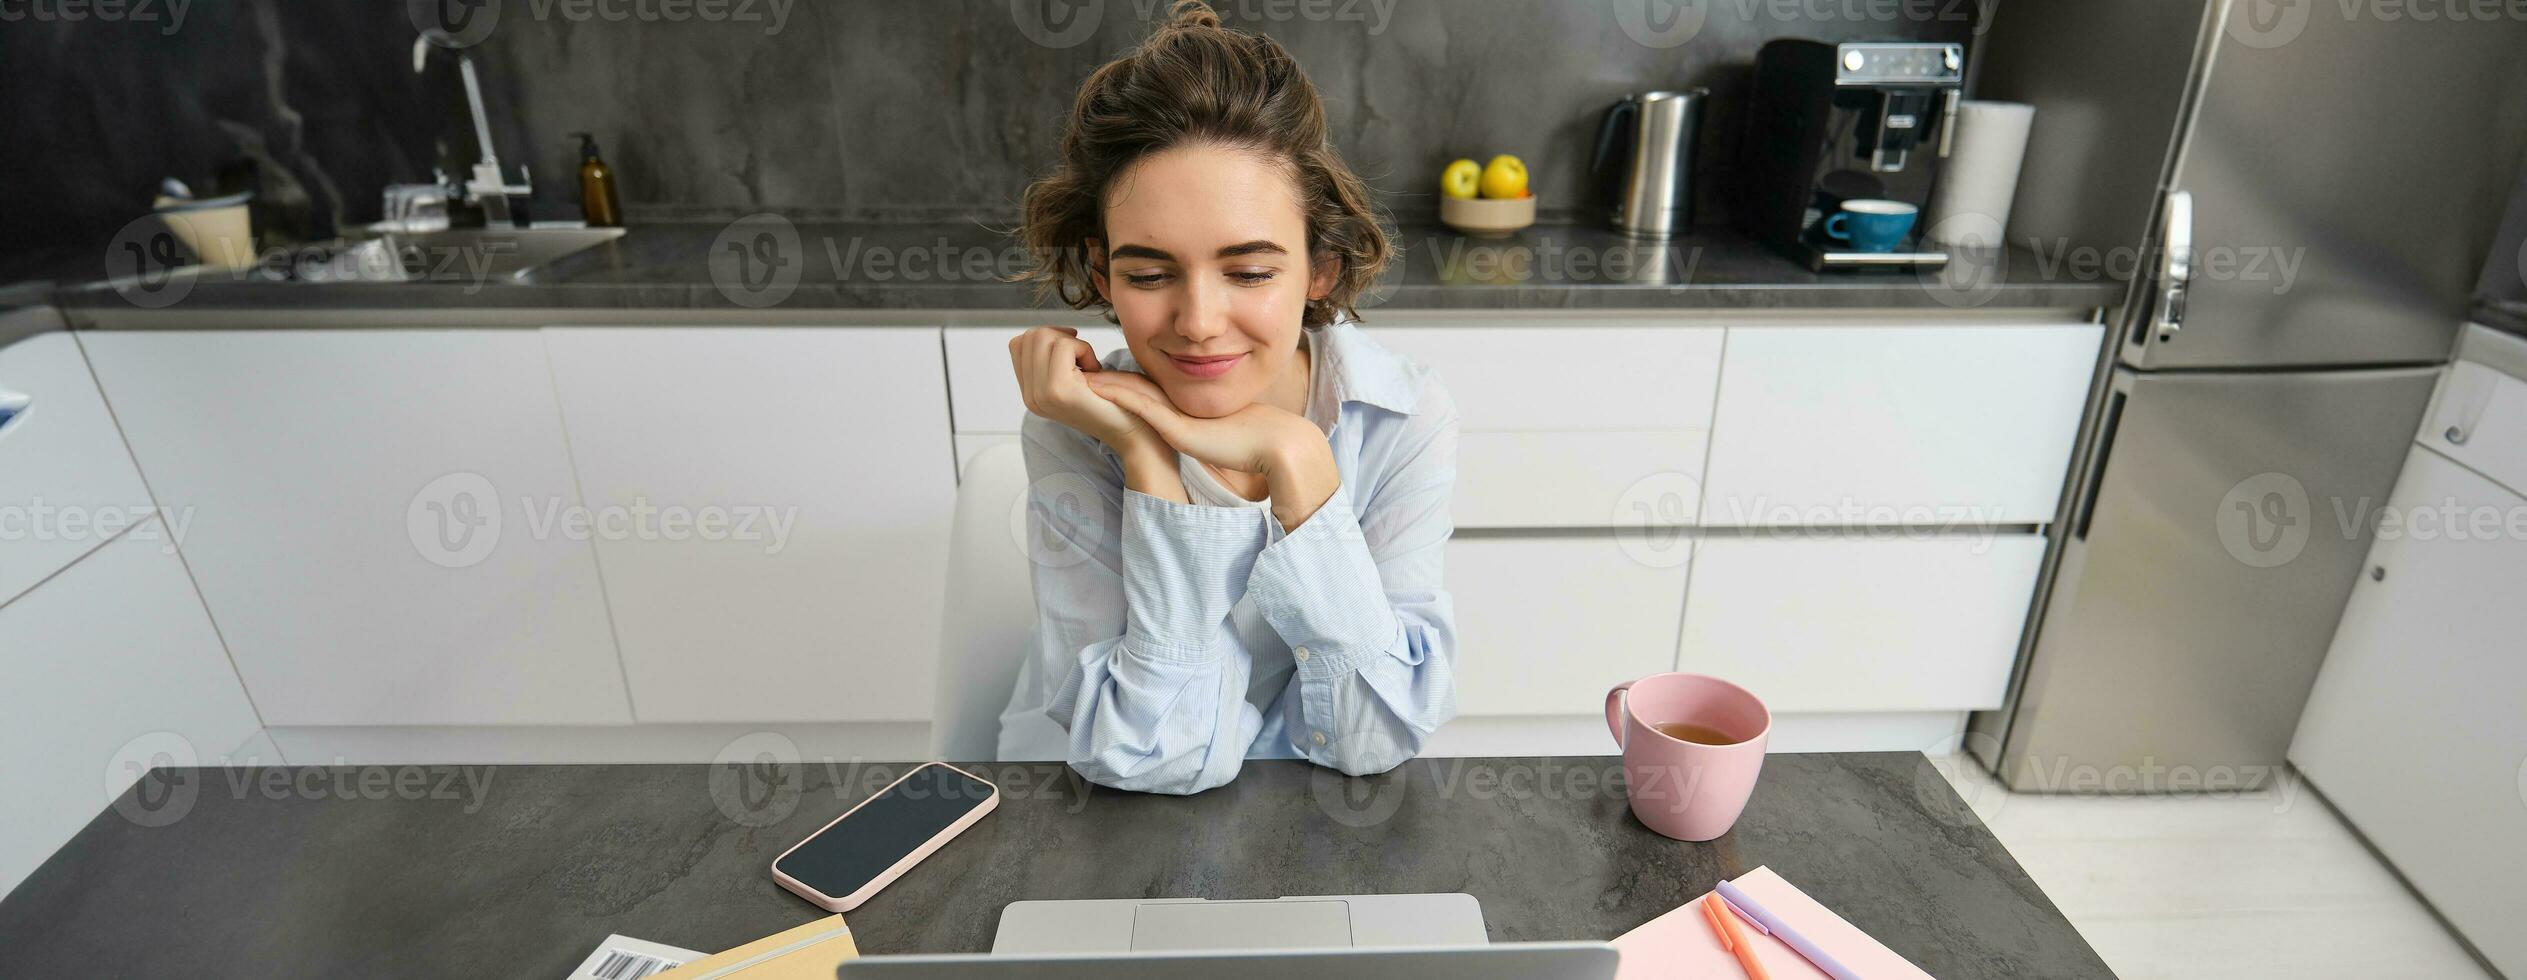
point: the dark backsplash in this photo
(860, 110)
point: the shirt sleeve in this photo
(1132, 597)
(1356, 592)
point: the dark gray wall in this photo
(871, 109)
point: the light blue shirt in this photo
(1174, 641)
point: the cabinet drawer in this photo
(1880, 426)
(1596, 426)
(2485, 412)
(1571, 379)
(1861, 623)
(1545, 625)
(982, 391)
(1578, 479)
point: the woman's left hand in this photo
(1289, 451)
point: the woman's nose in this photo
(1204, 314)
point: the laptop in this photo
(1163, 925)
(1506, 961)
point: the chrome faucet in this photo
(487, 189)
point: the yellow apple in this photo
(1505, 177)
(1461, 179)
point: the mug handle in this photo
(1834, 226)
(1614, 715)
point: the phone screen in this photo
(846, 856)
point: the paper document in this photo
(625, 958)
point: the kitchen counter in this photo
(820, 266)
(521, 870)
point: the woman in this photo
(1250, 502)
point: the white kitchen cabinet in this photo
(1877, 426)
(105, 669)
(2478, 418)
(66, 483)
(1546, 624)
(1600, 423)
(380, 520)
(832, 446)
(2417, 728)
(1821, 622)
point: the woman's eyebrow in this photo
(1259, 246)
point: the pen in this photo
(1731, 939)
(1737, 900)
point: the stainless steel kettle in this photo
(1644, 161)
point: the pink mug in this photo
(1688, 790)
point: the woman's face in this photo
(1206, 266)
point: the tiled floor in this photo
(2270, 884)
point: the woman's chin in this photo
(1206, 404)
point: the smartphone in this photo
(846, 861)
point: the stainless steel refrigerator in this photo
(2302, 194)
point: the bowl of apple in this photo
(1489, 200)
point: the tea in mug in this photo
(1689, 732)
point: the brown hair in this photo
(1193, 80)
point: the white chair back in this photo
(990, 607)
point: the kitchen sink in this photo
(466, 255)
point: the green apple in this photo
(1461, 180)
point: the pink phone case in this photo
(851, 901)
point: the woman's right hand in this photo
(1052, 364)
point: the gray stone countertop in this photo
(964, 266)
(521, 870)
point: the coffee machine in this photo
(1829, 123)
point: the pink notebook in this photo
(1680, 943)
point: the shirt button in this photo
(1299, 655)
(1319, 737)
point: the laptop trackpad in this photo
(1241, 925)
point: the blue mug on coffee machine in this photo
(1872, 224)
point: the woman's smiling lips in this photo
(1205, 368)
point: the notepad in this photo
(1680, 943)
(810, 952)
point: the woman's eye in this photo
(1252, 278)
(1145, 279)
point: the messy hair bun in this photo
(1194, 80)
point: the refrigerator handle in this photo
(2106, 432)
(2176, 273)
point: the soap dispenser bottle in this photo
(596, 186)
